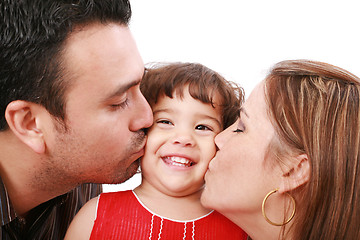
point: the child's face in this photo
(180, 144)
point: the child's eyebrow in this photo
(209, 117)
(199, 115)
(167, 110)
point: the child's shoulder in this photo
(116, 198)
(119, 194)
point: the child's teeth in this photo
(179, 161)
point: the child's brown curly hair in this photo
(204, 84)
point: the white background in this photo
(242, 39)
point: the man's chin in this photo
(128, 173)
(118, 175)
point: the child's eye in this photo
(164, 122)
(203, 127)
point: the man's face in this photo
(105, 110)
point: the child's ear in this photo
(297, 175)
(24, 120)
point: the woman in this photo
(289, 168)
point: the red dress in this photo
(121, 215)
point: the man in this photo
(72, 111)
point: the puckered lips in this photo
(178, 161)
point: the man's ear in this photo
(297, 175)
(23, 119)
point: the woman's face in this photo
(239, 176)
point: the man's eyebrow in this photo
(145, 71)
(123, 88)
(244, 111)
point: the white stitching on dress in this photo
(152, 225)
(161, 226)
(173, 220)
(184, 237)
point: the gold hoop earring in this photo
(264, 214)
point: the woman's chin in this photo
(205, 198)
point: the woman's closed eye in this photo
(238, 130)
(240, 127)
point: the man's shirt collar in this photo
(7, 212)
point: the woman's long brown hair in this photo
(315, 109)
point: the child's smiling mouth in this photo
(178, 161)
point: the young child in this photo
(191, 104)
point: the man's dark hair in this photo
(32, 36)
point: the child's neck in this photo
(174, 207)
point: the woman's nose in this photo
(220, 139)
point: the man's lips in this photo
(178, 161)
(140, 153)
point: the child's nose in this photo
(184, 139)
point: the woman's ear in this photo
(297, 175)
(23, 119)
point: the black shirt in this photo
(49, 220)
